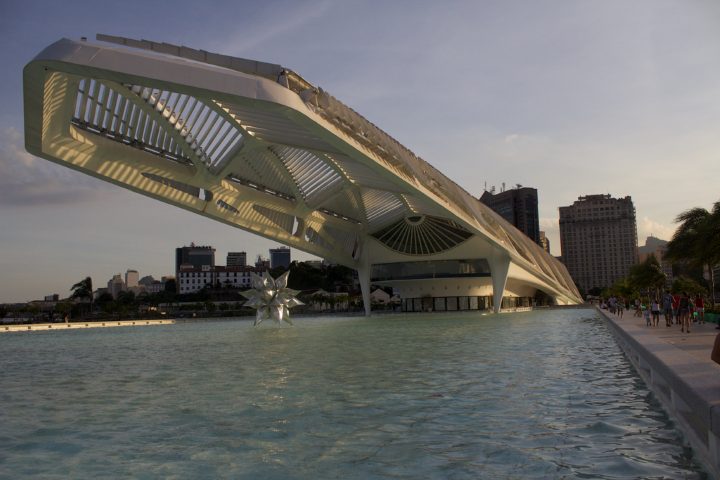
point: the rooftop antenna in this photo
(503, 187)
(492, 189)
(485, 189)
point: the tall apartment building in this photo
(194, 255)
(280, 257)
(262, 262)
(132, 277)
(236, 259)
(598, 239)
(519, 206)
(116, 285)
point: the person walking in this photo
(684, 312)
(700, 309)
(620, 306)
(611, 303)
(655, 309)
(667, 301)
(638, 307)
(676, 304)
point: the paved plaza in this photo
(698, 343)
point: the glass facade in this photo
(452, 304)
(430, 269)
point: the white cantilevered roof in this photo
(256, 146)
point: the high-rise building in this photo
(194, 255)
(116, 285)
(544, 242)
(280, 257)
(262, 262)
(236, 259)
(519, 206)
(132, 277)
(598, 239)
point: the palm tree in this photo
(83, 289)
(697, 241)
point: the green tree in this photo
(648, 274)
(65, 308)
(104, 299)
(83, 289)
(682, 284)
(171, 286)
(3, 313)
(126, 298)
(624, 289)
(224, 307)
(697, 241)
(605, 293)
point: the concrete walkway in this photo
(698, 343)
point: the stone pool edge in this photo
(688, 388)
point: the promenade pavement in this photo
(698, 343)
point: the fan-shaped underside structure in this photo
(258, 147)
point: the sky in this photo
(569, 97)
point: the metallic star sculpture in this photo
(271, 298)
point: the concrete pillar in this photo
(363, 269)
(499, 267)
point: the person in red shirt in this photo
(676, 303)
(700, 309)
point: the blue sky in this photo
(571, 98)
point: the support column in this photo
(499, 267)
(363, 269)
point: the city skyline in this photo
(618, 112)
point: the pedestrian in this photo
(620, 307)
(647, 317)
(655, 308)
(611, 303)
(667, 301)
(638, 307)
(684, 312)
(676, 304)
(691, 308)
(700, 309)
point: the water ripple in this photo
(532, 395)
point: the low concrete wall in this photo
(688, 388)
(73, 326)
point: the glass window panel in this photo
(473, 303)
(416, 305)
(430, 269)
(463, 303)
(440, 303)
(452, 303)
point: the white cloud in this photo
(647, 227)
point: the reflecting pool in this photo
(527, 395)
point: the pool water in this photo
(526, 395)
